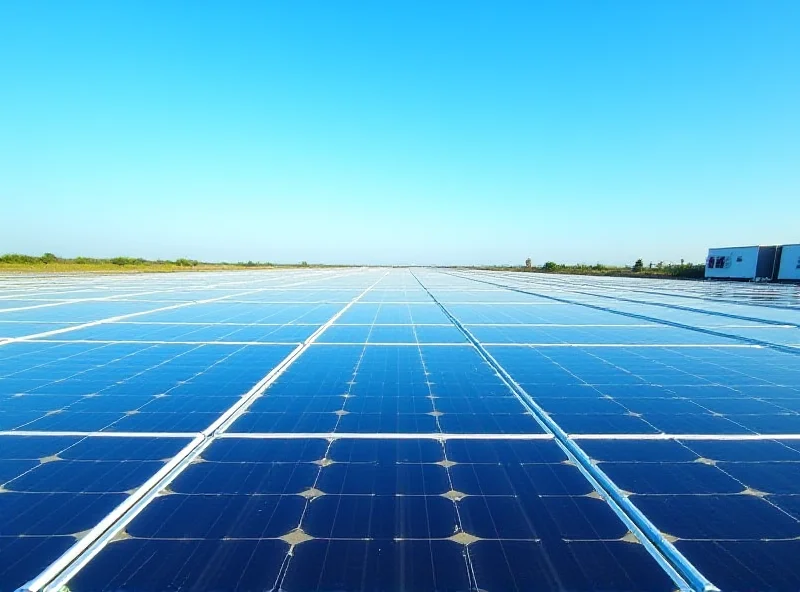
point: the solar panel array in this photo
(414, 429)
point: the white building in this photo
(790, 263)
(742, 263)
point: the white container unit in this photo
(790, 263)
(741, 263)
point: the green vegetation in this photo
(51, 262)
(638, 269)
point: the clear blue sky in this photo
(399, 132)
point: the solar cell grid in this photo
(76, 312)
(402, 435)
(692, 489)
(398, 495)
(200, 333)
(125, 387)
(642, 310)
(53, 489)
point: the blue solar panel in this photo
(54, 488)
(373, 494)
(387, 429)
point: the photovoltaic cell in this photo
(126, 387)
(52, 489)
(356, 497)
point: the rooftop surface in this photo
(387, 429)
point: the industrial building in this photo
(789, 268)
(754, 263)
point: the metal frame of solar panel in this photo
(387, 429)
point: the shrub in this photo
(18, 258)
(127, 261)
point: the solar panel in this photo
(55, 488)
(397, 429)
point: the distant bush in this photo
(182, 262)
(19, 259)
(127, 261)
(682, 270)
(688, 270)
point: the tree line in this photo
(52, 259)
(658, 269)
